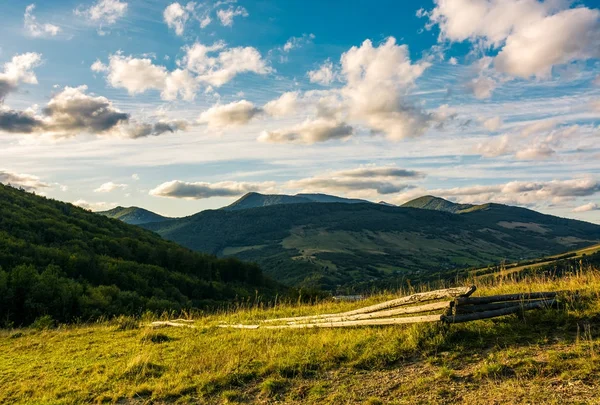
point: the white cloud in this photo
(309, 132)
(482, 87)
(226, 16)
(531, 36)
(522, 192)
(109, 187)
(138, 75)
(135, 75)
(298, 42)
(94, 206)
(35, 28)
(496, 146)
(135, 176)
(376, 80)
(453, 61)
(205, 21)
(538, 126)
(176, 16)
(324, 75)
(103, 12)
(202, 190)
(535, 152)
(587, 207)
(379, 179)
(25, 181)
(18, 70)
(492, 124)
(286, 104)
(225, 65)
(229, 115)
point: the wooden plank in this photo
(367, 322)
(383, 314)
(469, 309)
(498, 312)
(506, 297)
(411, 299)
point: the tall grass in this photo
(122, 358)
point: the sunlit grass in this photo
(123, 359)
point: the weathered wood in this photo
(382, 314)
(469, 309)
(411, 299)
(367, 322)
(164, 324)
(498, 312)
(506, 297)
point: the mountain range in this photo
(332, 243)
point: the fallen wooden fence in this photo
(457, 306)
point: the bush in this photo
(43, 323)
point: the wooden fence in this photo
(452, 305)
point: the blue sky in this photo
(180, 107)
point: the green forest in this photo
(62, 261)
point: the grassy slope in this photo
(548, 356)
(327, 245)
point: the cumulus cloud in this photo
(537, 127)
(25, 181)
(376, 80)
(72, 112)
(492, 124)
(35, 28)
(176, 16)
(221, 68)
(229, 115)
(138, 75)
(109, 187)
(324, 75)
(286, 104)
(18, 70)
(587, 207)
(382, 180)
(531, 36)
(309, 132)
(227, 15)
(202, 190)
(103, 12)
(523, 192)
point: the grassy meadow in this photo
(542, 357)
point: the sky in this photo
(182, 107)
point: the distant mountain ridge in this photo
(256, 200)
(337, 245)
(133, 215)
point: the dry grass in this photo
(548, 356)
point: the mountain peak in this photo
(133, 215)
(430, 202)
(256, 200)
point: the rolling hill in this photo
(60, 260)
(430, 202)
(340, 245)
(133, 215)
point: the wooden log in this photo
(498, 312)
(506, 297)
(411, 299)
(367, 322)
(382, 314)
(469, 309)
(164, 324)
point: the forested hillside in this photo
(60, 260)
